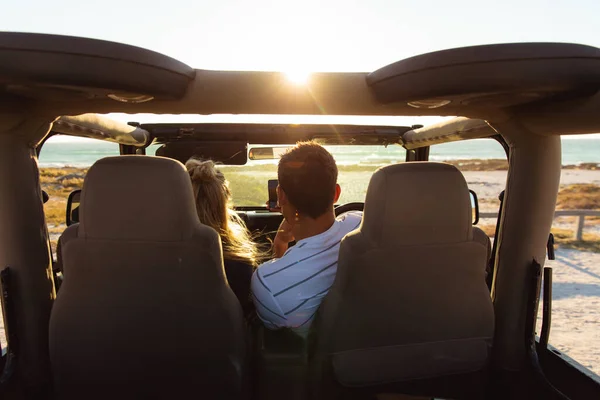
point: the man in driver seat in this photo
(288, 290)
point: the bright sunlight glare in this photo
(298, 77)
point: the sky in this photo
(307, 35)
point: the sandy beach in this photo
(488, 184)
(576, 305)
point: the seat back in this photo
(409, 302)
(144, 310)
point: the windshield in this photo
(356, 164)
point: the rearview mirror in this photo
(73, 203)
(474, 206)
(266, 153)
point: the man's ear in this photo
(338, 192)
(281, 197)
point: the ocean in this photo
(76, 152)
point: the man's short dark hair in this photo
(308, 175)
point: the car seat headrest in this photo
(119, 193)
(417, 203)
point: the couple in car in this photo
(287, 290)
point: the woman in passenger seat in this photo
(214, 206)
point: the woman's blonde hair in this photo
(215, 209)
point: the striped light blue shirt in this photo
(288, 291)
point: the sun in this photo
(298, 77)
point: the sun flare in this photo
(298, 77)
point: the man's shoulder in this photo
(290, 258)
(268, 266)
(350, 220)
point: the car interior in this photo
(135, 304)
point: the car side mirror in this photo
(73, 203)
(474, 206)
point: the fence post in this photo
(580, 224)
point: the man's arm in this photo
(279, 248)
(267, 308)
(282, 239)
